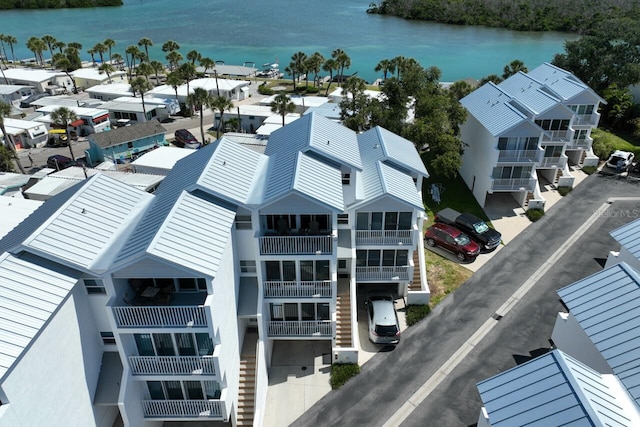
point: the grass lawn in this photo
(443, 276)
(615, 142)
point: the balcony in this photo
(300, 328)
(160, 316)
(556, 135)
(513, 184)
(278, 289)
(385, 237)
(520, 156)
(172, 365)
(586, 119)
(580, 144)
(296, 245)
(384, 273)
(553, 162)
(182, 409)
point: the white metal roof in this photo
(49, 187)
(319, 181)
(85, 230)
(9, 89)
(31, 74)
(57, 101)
(14, 210)
(29, 294)
(162, 157)
(563, 83)
(554, 390)
(530, 93)
(607, 307)
(629, 237)
(94, 74)
(111, 89)
(208, 84)
(80, 111)
(491, 106)
(381, 144)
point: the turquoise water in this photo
(265, 31)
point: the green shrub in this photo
(341, 373)
(312, 89)
(535, 214)
(416, 313)
(564, 190)
(263, 89)
(589, 169)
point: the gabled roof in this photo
(607, 307)
(530, 93)
(84, 231)
(563, 83)
(126, 134)
(29, 294)
(381, 144)
(492, 107)
(554, 390)
(629, 237)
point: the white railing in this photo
(382, 273)
(172, 365)
(558, 162)
(580, 143)
(302, 328)
(182, 408)
(513, 184)
(515, 156)
(320, 288)
(158, 317)
(556, 135)
(585, 119)
(303, 245)
(384, 237)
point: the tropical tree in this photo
(158, 68)
(107, 69)
(282, 105)
(493, 78)
(188, 72)
(59, 45)
(92, 52)
(116, 58)
(141, 85)
(222, 104)
(63, 117)
(170, 46)
(11, 41)
(174, 57)
(131, 54)
(51, 42)
(174, 79)
(3, 51)
(387, 66)
(398, 63)
(314, 65)
(63, 63)
(100, 49)
(207, 64)
(146, 42)
(354, 107)
(198, 100)
(109, 44)
(330, 65)
(343, 60)
(6, 159)
(5, 111)
(75, 45)
(193, 56)
(514, 67)
(144, 69)
(297, 66)
(37, 46)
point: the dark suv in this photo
(453, 240)
(59, 162)
(185, 139)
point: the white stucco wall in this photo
(569, 337)
(479, 157)
(53, 384)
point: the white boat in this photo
(270, 71)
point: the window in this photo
(390, 257)
(518, 143)
(553, 151)
(342, 263)
(581, 135)
(182, 344)
(346, 178)
(247, 266)
(555, 124)
(94, 286)
(391, 220)
(180, 390)
(194, 390)
(107, 338)
(243, 222)
(582, 109)
(163, 344)
(188, 284)
(343, 218)
(305, 311)
(204, 344)
(130, 145)
(186, 344)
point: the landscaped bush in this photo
(589, 169)
(416, 313)
(535, 214)
(341, 373)
(263, 89)
(564, 190)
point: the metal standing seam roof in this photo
(319, 181)
(563, 83)
(554, 390)
(530, 93)
(29, 295)
(194, 234)
(392, 148)
(607, 307)
(491, 106)
(83, 232)
(629, 237)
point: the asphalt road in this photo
(389, 379)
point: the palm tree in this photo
(92, 52)
(37, 46)
(51, 43)
(11, 41)
(386, 66)
(170, 46)
(158, 68)
(188, 73)
(198, 100)
(175, 80)
(109, 43)
(514, 67)
(343, 60)
(282, 105)
(297, 66)
(3, 52)
(314, 65)
(193, 56)
(59, 45)
(75, 45)
(174, 57)
(399, 64)
(5, 111)
(222, 104)
(131, 52)
(116, 58)
(107, 69)
(146, 42)
(207, 63)
(63, 117)
(144, 69)
(330, 65)
(141, 85)
(100, 49)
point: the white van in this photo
(384, 327)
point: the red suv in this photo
(453, 240)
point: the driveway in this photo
(389, 380)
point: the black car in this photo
(59, 162)
(477, 229)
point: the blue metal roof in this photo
(629, 237)
(563, 83)
(607, 307)
(529, 93)
(319, 181)
(380, 144)
(554, 390)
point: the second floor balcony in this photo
(294, 289)
(300, 328)
(159, 316)
(172, 365)
(557, 135)
(553, 162)
(382, 273)
(296, 245)
(386, 237)
(183, 409)
(520, 156)
(513, 184)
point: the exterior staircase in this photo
(415, 283)
(343, 320)
(246, 393)
(557, 177)
(584, 156)
(529, 197)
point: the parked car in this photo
(474, 227)
(26, 103)
(384, 327)
(453, 240)
(59, 162)
(620, 160)
(185, 139)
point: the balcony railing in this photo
(172, 365)
(303, 328)
(556, 135)
(159, 317)
(182, 408)
(320, 288)
(384, 237)
(364, 274)
(549, 162)
(519, 156)
(297, 245)
(585, 119)
(515, 184)
(581, 144)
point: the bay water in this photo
(265, 31)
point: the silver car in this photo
(383, 320)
